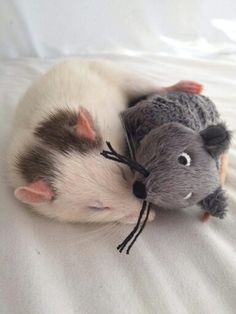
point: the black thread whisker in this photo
(113, 158)
(113, 155)
(141, 229)
(118, 157)
(134, 165)
(121, 246)
(122, 160)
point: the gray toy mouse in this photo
(178, 139)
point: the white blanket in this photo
(178, 265)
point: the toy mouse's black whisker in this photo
(121, 246)
(141, 229)
(108, 156)
(113, 155)
(134, 165)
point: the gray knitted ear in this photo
(216, 139)
(215, 203)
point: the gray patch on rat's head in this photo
(169, 181)
(56, 135)
(36, 163)
(58, 132)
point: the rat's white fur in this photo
(86, 181)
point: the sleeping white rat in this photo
(60, 127)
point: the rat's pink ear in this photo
(85, 125)
(34, 193)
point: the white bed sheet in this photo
(178, 265)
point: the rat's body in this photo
(178, 138)
(60, 127)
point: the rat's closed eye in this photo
(98, 205)
(98, 208)
(184, 159)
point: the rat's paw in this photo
(132, 219)
(187, 86)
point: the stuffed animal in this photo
(179, 140)
(178, 148)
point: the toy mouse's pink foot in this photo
(205, 217)
(186, 86)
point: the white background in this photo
(32, 28)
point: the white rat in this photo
(60, 127)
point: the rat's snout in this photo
(139, 190)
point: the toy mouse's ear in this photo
(34, 193)
(215, 204)
(216, 139)
(85, 126)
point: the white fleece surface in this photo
(178, 265)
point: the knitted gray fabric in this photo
(194, 111)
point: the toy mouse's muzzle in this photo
(139, 190)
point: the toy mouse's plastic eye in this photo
(188, 196)
(184, 159)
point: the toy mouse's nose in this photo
(139, 190)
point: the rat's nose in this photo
(139, 190)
